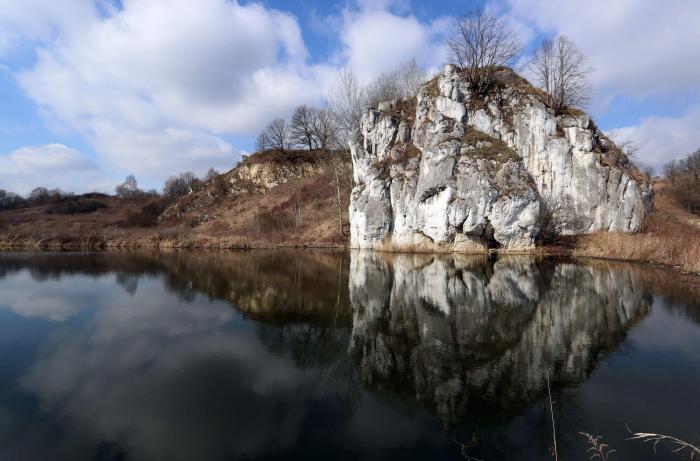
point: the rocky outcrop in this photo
(452, 170)
(265, 170)
(257, 173)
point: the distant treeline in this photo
(63, 202)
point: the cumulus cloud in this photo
(160, 86)
(641, 52)
(157, 85)
(38, 20)
(50, 165)
(375, 39)
(662, 139)
(638, 49)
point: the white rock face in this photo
(461, 173)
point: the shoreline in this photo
(91, 244)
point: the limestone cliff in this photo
(453, 170)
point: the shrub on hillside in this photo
(74, 207)
(272, 221)
(147, 215)
(684, 181)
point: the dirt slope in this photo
(270, 199)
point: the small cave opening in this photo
(491, 242)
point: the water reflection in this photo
(309, 354)
(472, 338)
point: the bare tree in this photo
(128, 189)
(672, 170)
(383, 88)
(39, 196)
(399, 83)
(691, 165)
(10, 200)
(180, 185)
(558, 217)
(338, 169)
(684, 179)
(211, 174)
(563, 71)
(350, 98)
(325, 129)
(411, 77)
(274, 136)
(329, 137)
(302, 127)
(347, 100)
(481, 44)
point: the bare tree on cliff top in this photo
(481, 44)
(400, 83)
(347, 101)
(181, 185)
(212, 173)
(350, 98)
(274, 136)
(302, 127)
(563, 71)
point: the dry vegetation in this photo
(300, 212)
(671, 236)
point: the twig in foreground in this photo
(551, 411)
(678, 446)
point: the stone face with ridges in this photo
(469, 173)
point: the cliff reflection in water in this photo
(467, 338)
(472, 337)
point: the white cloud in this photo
(157, 85)
(639, 49)
(376, 40)
(50, 165)
(39, 20)
(662, 139)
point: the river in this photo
(290, 354)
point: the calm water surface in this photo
(307, 355)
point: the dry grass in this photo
(404, 110)
(289, 156)
(427, 246)
(488, 147)
(227, 221)
(670, 237)
(433, 88)
(674, 250)
(676, 446)
(597, 449)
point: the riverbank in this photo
(671, 236)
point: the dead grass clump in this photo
(678, 250)
(266, 221)
(432, 87)
(487, 147)
(404, 109)
(290, 156)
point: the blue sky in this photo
(93, 90)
